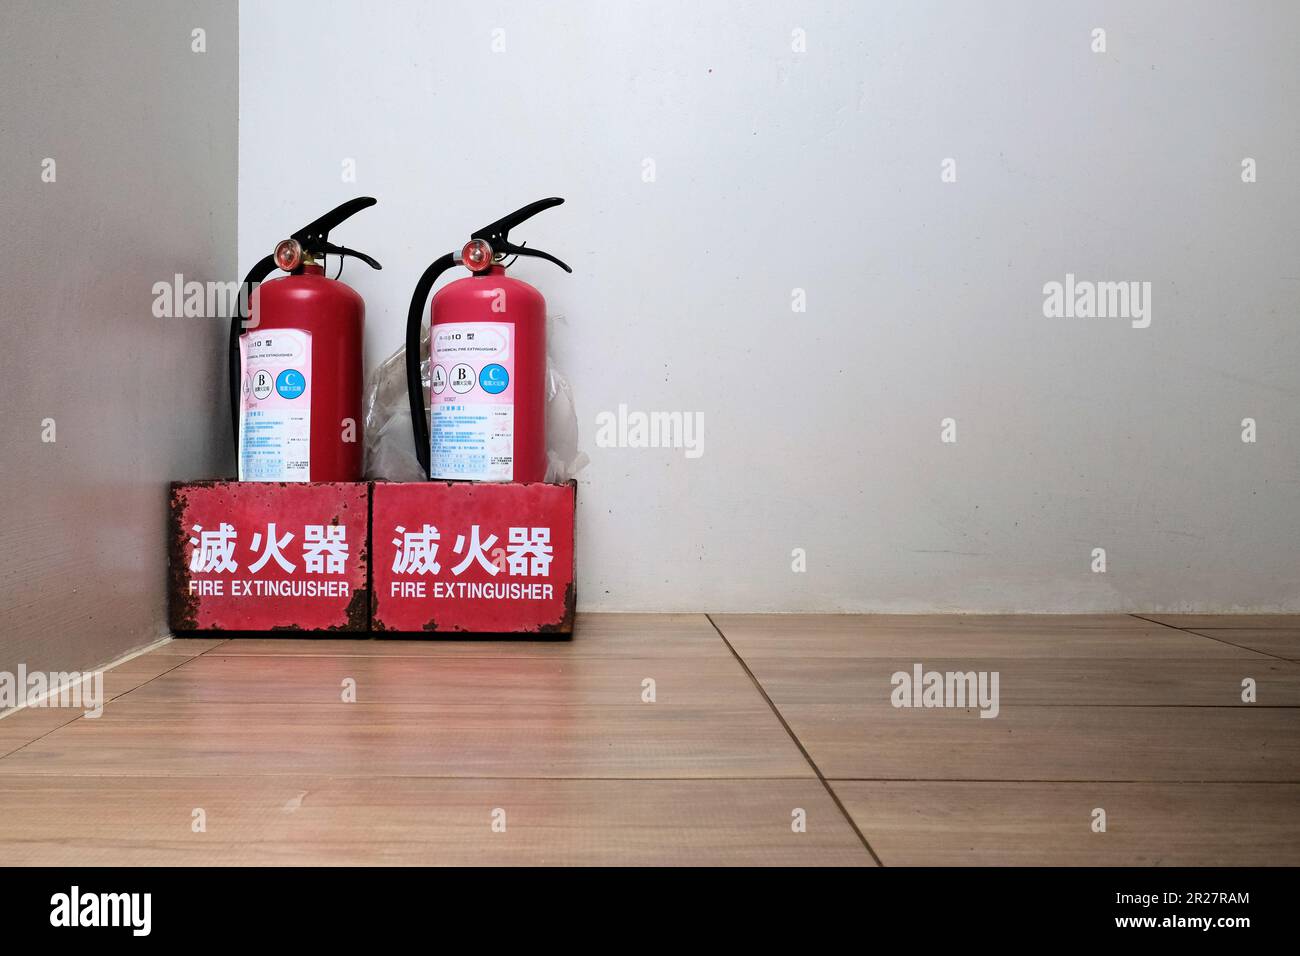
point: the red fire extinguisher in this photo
(295, 366)
(487, 362)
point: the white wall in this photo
(820, 170)
(141, 130)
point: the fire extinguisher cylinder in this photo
(487, 362)
(296, 368)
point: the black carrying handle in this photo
(512, 250)
(334, 250)
(414, 387)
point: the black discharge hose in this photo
(414, 387)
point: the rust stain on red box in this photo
(476, 557)
(262, 556)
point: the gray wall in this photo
(821, 170)
(142, 131)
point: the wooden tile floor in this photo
(770, 739)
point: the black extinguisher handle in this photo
(255, 275)
(414, 387)
(318, 230)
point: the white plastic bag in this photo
(390, 449)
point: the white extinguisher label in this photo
(275, 408)
(472, 393)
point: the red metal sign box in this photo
(263, 556)
(477, 557)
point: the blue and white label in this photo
(472, 421)
(275, 408)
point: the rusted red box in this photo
(267, 556)
(479, 557)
